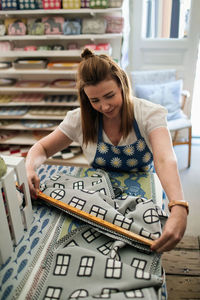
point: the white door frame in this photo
(179, 54)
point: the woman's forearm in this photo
(168, 174)
(36, 156)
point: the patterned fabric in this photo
(116, 265)
(129, 158)
(115, 257)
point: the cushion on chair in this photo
(152, 76)
(166, 94)
(178, 124)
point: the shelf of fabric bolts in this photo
(27, 135)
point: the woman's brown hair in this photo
(92, 70)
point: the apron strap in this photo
(136, 128)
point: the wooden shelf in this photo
(26, 138)
(82, 11)
(48, 53)
(28, 116)
(18, 126)
(13, 89)
(41, 103)
(92, 37)
(13, 71)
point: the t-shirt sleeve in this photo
(150, 115)
(71, 125)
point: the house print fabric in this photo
(91, 262)
(69, 240)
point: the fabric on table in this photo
(114, 264)
(17, 270)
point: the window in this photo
(86, 266)
(53, 293)
(78, 185)
(166, 19)
(97, 211)
(113, 269)
(123, 222)
(62, 264)
(77, 202)
(90, 235)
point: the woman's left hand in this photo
(173, 230)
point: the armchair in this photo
(162, 87)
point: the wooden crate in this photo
(15, 217)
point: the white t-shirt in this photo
(148, 115)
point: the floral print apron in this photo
(130, 158)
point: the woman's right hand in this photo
(33, 182)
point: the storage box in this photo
(94, 26)
(15, 212)
(71, 27)
(53, 25)
(98, 3)
(85, 3)
(9, 4)
(71, 4)
(114, 24)
(27, 4)
(115, 3)
(51, 4)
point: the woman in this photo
(117, 132)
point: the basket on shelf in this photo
(27, 4)
(51, 4)
(9, 4)
(71, 4)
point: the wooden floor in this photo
(182, 267)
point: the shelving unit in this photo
(24, 136)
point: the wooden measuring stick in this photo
(94, 219)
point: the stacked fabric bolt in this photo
(6, 98)
(14, 150)
(48, 111)
(28, 98)
(13, 111)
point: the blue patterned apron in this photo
(130, 158)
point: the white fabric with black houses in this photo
(93, 263)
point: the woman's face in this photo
(106, 98)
